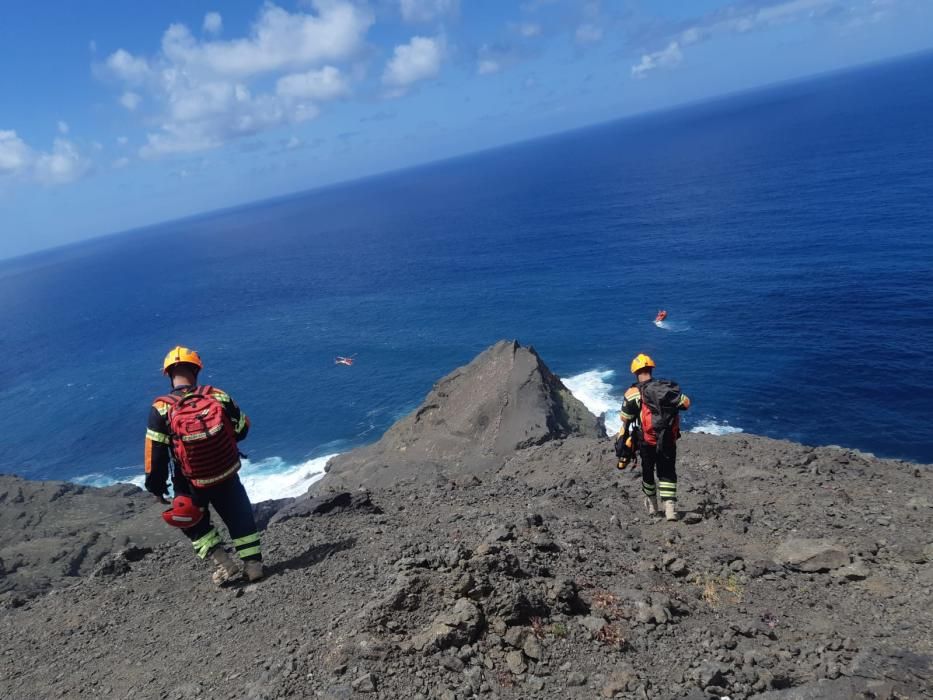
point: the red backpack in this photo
(660, 412)
(203, 438)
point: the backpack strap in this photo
(192, 392)
(170, 399)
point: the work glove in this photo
(159, 490)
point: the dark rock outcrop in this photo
(328, 503)
(471, 422)
(56, 532)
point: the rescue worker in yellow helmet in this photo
(194, 430)
(651, 408)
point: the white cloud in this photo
(120, 163)
(279, 40)
(293, 143)
(419, 59)
(62, 165)
(324, 84)
(122, 140)
(62, 127)
(590, 29)
(427, 10)
(127, 67)
(588, 33)
(209, 91)
(15, 155)
(741, 18)
(130, 100)
(488, 66)
(529, 29)
(665, 58)
(213, 23)
(497, 57)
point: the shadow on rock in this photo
(311, 556)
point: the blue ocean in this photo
(788, 232)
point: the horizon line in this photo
(336, 184)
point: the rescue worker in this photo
(195, 430)
(651, 409)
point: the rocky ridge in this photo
(793, 572)
(473, 419)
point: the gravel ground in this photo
(792, 572)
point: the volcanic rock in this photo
(472, 421)
(56, 532)
(514, 586)
(811, 555)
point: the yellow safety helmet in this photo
(640, 362)
(179, 354)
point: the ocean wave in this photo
(99, 480)
(598, 395)
(711, 426)
(274, 478)
(264, 479)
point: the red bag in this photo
(203, 439)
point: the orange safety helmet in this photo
(640, 362)
(179, 354)
(183, 513)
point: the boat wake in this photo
(673, 326)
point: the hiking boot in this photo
(669, 512)
(253, 570)
(226, 568)
(651, 505)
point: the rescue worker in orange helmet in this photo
(652, 407)
(193, 432)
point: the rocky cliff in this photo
(532, 572)
(473, 420)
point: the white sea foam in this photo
(264, 479)
(673, 326)
(274, 478)
(100, 480)
(596, 393)
(713, 427)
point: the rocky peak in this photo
(474, 419)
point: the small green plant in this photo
(714, 586)
(734, 587)
(559, 630)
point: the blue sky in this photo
(116, 115)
